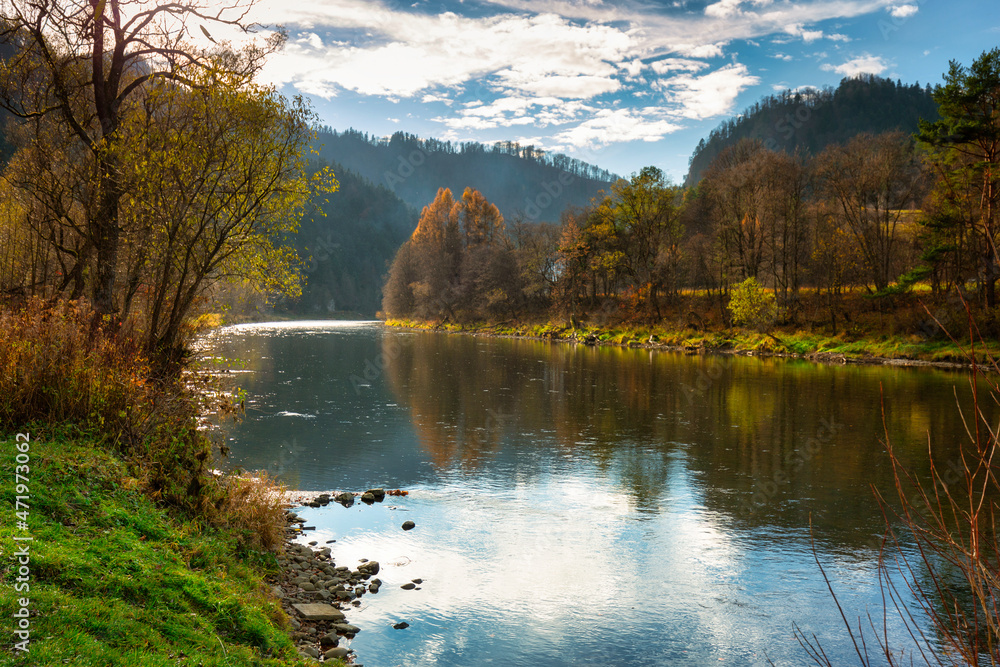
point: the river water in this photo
(588, 506)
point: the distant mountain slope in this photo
(812, 119)
(518, 179)
(348, 248)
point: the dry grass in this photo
(255, 509)
(60, 363)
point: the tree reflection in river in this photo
(770, 441)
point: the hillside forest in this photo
(853, 238)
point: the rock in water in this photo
(401, 626)
(346, 499)
(408, 587)
(379, 494)
(409, 525)
(346, 628)
(367, 498)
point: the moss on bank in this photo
(116, 579)
(780, 343)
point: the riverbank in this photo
(111, 577)
(885, 349)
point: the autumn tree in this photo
(84, 64)
(457, 262)
(735, 189)
(787, 182)
(219, 182)
(648, 223)
(870, 181)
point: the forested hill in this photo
(518, 179)
(347, 241)
(812, 119)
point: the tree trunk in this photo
(106, 236)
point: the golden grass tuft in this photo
(255, 509)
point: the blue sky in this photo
(618, 84)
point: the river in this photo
(588, 506)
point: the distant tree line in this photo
(520, 180)
(512, 148)
(877, 212)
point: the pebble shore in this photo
(315, 592)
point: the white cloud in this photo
(712, 94)
(903, 11)
(725, 9)
(546, 63)
(515, 110)
(866, 64)
(782, 56)
(700, 50)
(677, 65)
(571, 87)
(430, 98)
(414, 52)
(809, 36)
(632, 68)
(610, 126)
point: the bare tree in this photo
(872, 180)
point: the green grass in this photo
(797, 343)
(117, 580)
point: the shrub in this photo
(61, 364)
(751, 305)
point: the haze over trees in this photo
(520, 180)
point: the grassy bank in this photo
(116, 579)
(138, 555)
(870, 349)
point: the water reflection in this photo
(588, 506)
(768, 441)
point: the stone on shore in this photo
(319, 612)
(335, 653)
